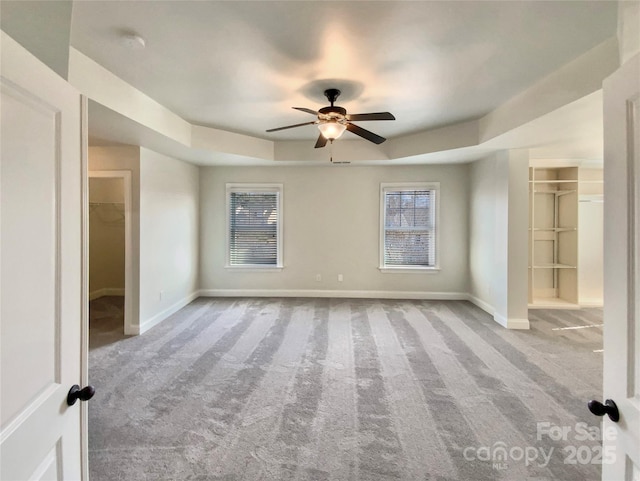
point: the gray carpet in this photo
(341, 390)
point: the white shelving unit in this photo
(553, 237)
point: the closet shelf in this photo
(554, 229)
(554, 181)
(555, 266)
(556, 192)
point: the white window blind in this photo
(409, 226)
(254, 226)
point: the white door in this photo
(41, 179)
(622, 270)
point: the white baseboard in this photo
(453, 296)
(106, 291)
(541, 304)
(333, 293)
(511, 323)
(488, 308)
(591, 302)
(133, 330)
(503, 321)
(161, 316)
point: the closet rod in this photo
(591, 198)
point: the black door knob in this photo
(76, 393)
(609, 408)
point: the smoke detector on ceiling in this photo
(133, 41)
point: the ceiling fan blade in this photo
(365, 134)
(372, 116)
(291, 126)
(321, 142)
(309, 111)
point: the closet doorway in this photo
(110, 265)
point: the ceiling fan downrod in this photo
(332, 95)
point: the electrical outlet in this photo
(318, 278)
(160, 294)
(340, 278)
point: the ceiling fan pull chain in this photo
(331, 150)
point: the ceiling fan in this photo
(333, 121)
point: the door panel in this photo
(48, 470)
(29, 223)
(621, 268)
(40, 269)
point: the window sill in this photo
(409, 270)
(254, 268)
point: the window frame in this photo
(410, 186)
(255, 188)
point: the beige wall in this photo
(169, 206)
(106, 237)
(482, 206)
(331, 218)
(498, 245)
(332, 226)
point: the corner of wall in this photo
(488, 308)
(511, 323)
(157, 318)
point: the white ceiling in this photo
(240, 66)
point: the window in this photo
(254, 220)
(409, 214)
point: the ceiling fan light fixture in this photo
(332, 121)
(331, 129)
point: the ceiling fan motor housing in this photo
(332, 113)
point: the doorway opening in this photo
(566, 229)
(110, 266)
